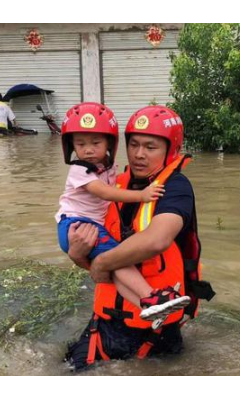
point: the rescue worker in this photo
(159, 237)
(90, 131)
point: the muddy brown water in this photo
(32, 176)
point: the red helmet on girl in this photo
(89, 118)
(158, 121)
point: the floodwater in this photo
(32, 176)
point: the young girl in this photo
(91, 131)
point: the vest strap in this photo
(118, 314)
(202, 290)
(92, 348)
(100, 348)
(146, 346)
(190, 265)
(95, 342)
(144, 350)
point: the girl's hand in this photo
(152, 192)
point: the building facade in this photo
(110, 63)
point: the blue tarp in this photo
(24, 89)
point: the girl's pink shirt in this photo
(77, 202)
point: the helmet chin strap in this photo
(92, 167)
(159, 167)
(155, 172)
(142, 183)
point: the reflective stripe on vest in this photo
(146, 210)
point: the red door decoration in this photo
(34, 39)
(155, 35)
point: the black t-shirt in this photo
(178, 199)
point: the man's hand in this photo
(82, 237)
(97, 275)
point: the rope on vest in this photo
(146, 346)
(95, 342)
(126, 231)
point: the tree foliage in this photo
(206, 85)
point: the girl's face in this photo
(90, 147)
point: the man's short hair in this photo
(1, 97)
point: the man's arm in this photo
(82, 238)
(139, 247)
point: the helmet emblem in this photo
(142, 122)
(87, 121)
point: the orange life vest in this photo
(160, 271)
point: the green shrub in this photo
(206, 85)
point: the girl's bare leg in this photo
(126, 293)
(131, 284)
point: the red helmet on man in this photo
(158, 121)
(89, 118)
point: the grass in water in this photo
(219, 224)
(34, 295)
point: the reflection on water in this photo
(32, 176)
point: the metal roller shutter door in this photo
(56, 67)
(135, 73)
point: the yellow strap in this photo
(146, 209)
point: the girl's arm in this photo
(110, 193)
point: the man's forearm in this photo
(141, 246)
(135, 249)
(81, 262)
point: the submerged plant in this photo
(34, 295)
(219, 224)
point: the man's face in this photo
(146, 154)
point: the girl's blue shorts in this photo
(104, 242)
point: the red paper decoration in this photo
(155, 35)
(34, 39)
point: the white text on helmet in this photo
(172, 121)
(113, 121)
